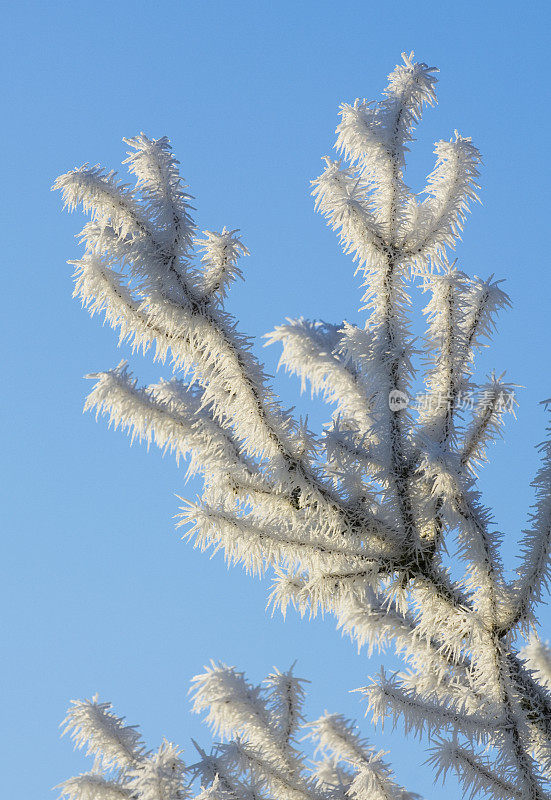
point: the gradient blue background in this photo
(98, 592)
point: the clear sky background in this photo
(98, 592)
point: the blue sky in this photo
(98, 592)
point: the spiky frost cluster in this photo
(259, 757)
(355, 521)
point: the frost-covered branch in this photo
(534, 571)
(358, 519)
(259, 756)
